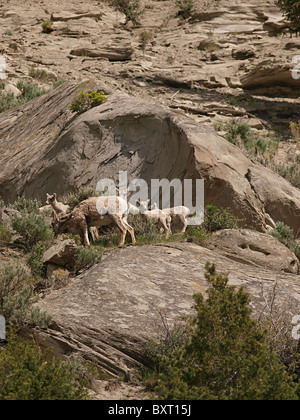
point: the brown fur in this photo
(94, 211)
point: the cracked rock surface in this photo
(109, 312)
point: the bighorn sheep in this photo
(57, 206)
(61, 209)
(162, 219)
(178, 215)
(96, 211)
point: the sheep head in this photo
(51, 198)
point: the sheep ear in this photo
(137, 201)
(54, 195)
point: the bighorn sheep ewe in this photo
(61, 209)
(178, 215)
(96, 211)
(57, 206)
(162, 219)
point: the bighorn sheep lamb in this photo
(162, 219)
(61, 209)
(96, 211)
(178, 215)
(57, 206)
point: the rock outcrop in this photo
(62, 254)
(255, 248)
(223, 65)
(274, 76)
(108, 313)
(5, 217)
(47, 149)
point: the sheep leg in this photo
(122, 228)
(85, 233)
(165, 227)
(169, 223)
(130, 229)
(94, 232)
(184, 222)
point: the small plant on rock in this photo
(216, 219)
(48, 27)
(17, 296)
(291, 10)
(5, 235)
(285, 235)
(146, 37)
(295, 129)
(131, 9)
(86, 258)
(32, 229)
(186, 8)
(87, 100)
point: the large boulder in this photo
(5, 217)
(108, 313)
(255, 248)
(62, 254)
(45, 148)
(274, 76)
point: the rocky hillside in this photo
(208, 97)
(46, 149)
(227, 60)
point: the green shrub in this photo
(86, 258)
(28, 91)
(17, 296)
(291, 172)
(5, 235)
(32, 228)
(47, 27)
(186, 8)
(234, 131)
(216, 219)
(39, 74)
(226, 356)
(8, 101)
(29, 373)
(275, 318)
(243, 136)
(295, 129)
(291, 10)
(131, 9)
(35, 259)
(146, 230)
(285, 235)
(58, 82)
(145, 38)
(22, 204)
(87, 100)
(73, 199)
(197, 234)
